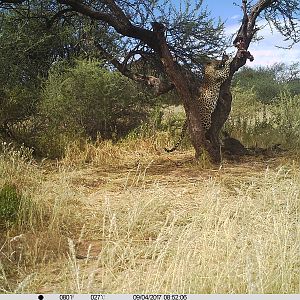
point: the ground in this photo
(160, 223)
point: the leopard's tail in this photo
(182, 135)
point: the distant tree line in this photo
(268, 82)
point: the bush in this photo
(88, 100)
(262, 81)
(24, 63)
(10, 202)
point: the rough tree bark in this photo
(186, 90)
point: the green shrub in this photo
(24, 63)
(251, 121)
(10, 202)
(262, 81)
(90, 101)
(267, 83)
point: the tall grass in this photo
(263, 125)
(44, 207)
(154, 226)
(200, 238)
(126, 217)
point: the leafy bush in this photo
(88, 100)
(10, 201)
(28, 49)
(261, 81)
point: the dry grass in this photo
(130, 219)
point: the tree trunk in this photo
(220, 115)
(187, 88)
(188, 92)
(223, 108)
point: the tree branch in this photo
(254, 13)
(247, 28)
(246, 31)
(132, 54)
(160, 87)
(117, 19)
(57, 16)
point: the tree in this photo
(27, 51)
(172, 43)
(32, 39)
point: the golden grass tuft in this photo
(107, 153)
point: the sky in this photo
(265, 52)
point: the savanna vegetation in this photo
(89, 200)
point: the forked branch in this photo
(247, 29)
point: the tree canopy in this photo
(123, 30)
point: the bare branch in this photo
(118, 13)
(242, 33)
(57, 16)
(131, 54)
(254, 13)
(247, 29)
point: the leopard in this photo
(216, 72)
